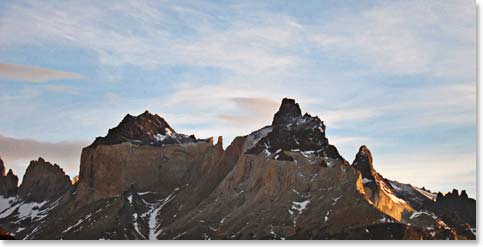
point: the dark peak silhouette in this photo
(144, 129)
(292, 131)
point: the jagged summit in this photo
(8, 181)
(288, 113)
(296, 186)
(145, 129)
(290, 131)
(2, 167)
(363, 163)
(43, 181)
(454, 194)
(456, 208)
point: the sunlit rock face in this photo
(8, 181)
(289, 184)
(283, 181)
(265, 198)
(43, 181)
(378, 190)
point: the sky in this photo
(396, 76)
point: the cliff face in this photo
(143, 180)
(265, 198)
(109, 170)
(8, 181)
(378, 190)
(43, 181)
(289, 183)
(457, 209)
(159, 161)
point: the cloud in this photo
(340, 141)
(25, 73)
(405, 37)
(112, 98)
(17, 153)
(435, 169)
(250, 111)
(248, 46)
(62, 89)
(348, 115)
(388, 71)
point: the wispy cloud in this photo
(381, 73)
(405, 37)
(250, 111)
(62, 89)
(18, 152)
(349, 115)
(439, 169)
(246, 46)
(112, 98)
(34, 74)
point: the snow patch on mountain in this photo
(6, 202)
(154, 211)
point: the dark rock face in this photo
(43, 181)
(456, 208)
(419, 199)
(391, 231)
(2, 168)
(293, 132)
(284, 181)
(145, 129)
(8, 182)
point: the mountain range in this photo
(144, 180)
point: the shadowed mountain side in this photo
(143, 180)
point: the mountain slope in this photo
(143, 180)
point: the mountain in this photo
(8, 181)
(44, 188)
(143, 180)
(145, 129)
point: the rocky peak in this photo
(43, 181)
(464, 195)
(8, 182)
(292, 131)
(288, 112)
(453, 195)
(220, 141)
(10, 173)
(454, 206)
(2, 168)
(144, 129)
(363, 163)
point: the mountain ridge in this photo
(143, 180)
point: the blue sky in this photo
(397, 76)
